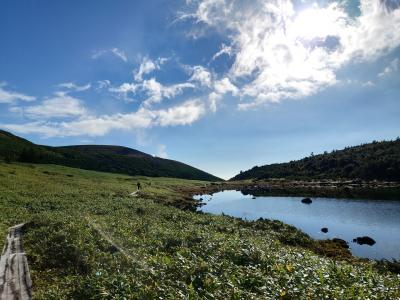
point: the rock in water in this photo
(306, 201)
(364, 240)
(324, 230)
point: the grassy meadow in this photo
(88, 238)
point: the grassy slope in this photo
(166, 252)
(114, 159)
(377, 160)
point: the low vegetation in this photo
(88, 238)
(113, 159)
(373, 161)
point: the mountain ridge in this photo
(105, 158)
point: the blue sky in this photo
(221, 85)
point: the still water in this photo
(344, 218)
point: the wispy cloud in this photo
(147, 66)
(124, 91)
(41, 128)
(156, 91)
(101, 84)
(59, 106)
(74, 87)
(221, 87)
(391, 68)
(153, 90)
(9, 96)
(368, 83)
(161, 151)
(182, 114)
(201, 75)
(119, 53)
(114, 51)
(224, 50)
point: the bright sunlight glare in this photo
(317, 23)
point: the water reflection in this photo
(344, 218)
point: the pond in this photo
(345, 218)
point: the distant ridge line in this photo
(103, 158)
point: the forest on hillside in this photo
(372, 161)
(114, 159)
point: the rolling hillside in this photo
(115, 159)
(376, 160)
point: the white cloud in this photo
(114, 51)
(220, 88)
(224, 50)
(151, 91)
(74, 87)
(59, 106)
(154, 91)
(201, 75)
(16, 110)
(281, 53)
(213, 100)
(101, 84)
(224, 86)
(183, 114)
(161, 151)
(99, 126)
(44, 129)
(124, 90)
(119, 53)
(157, 92)
(216, 88)
(391, 68)
(147, 66)
(8, 96)
(368, 83)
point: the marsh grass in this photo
(87, 238)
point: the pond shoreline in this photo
(335, 248)
(374, 190)
(353, 189)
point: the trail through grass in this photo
(87, 238)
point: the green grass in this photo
(88, 239)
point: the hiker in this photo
(138, 186)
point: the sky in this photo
(220, 85)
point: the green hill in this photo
(115, 159)
(376, 160)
